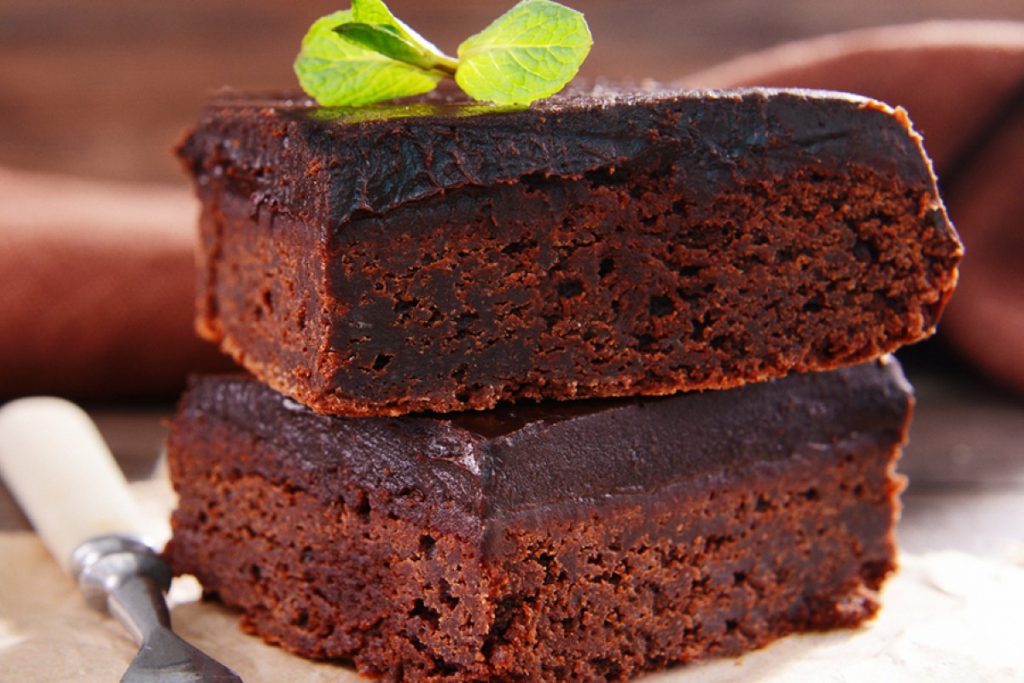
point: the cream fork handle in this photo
(59, 469)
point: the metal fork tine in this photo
(166, 658)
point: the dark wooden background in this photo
(105, 87)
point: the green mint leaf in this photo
(387, 40)
(375, 12)
(530, 52)
(372, 12)
(337, 72)
(382, 39)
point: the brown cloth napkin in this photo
(96, 299)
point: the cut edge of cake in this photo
(526, 309)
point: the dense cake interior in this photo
(444, 256)
(599, 539)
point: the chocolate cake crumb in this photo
(430, 257)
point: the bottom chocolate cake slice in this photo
(569, 541)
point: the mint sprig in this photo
(366, 54)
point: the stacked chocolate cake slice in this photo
(569, 392)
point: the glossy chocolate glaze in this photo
(438, 143)
(470, 470)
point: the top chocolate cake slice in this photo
(443, 255)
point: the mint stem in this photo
(365, 54)
(447, 65)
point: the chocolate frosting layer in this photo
(474, 467)
(343, 162)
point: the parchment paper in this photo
(945, 617)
